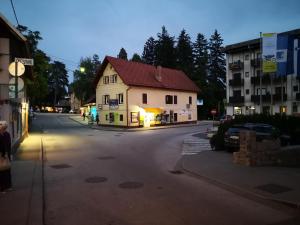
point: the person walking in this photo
(5, 153)
(83, 115)
(97, 119)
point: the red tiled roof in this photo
(139, 74)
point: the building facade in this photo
(132, 94)
(250, 91)
(13, 110)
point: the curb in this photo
(237, 190)
(131, 129)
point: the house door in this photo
(175, 117)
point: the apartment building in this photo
(132, 94)
(250, 91)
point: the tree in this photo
(136, 58)
(148, 55)
(122, 54)
(184, 53)
(165, 50)
(83, 81)
(37, 89)
(200, 52)
(58, 81)
(217, 71)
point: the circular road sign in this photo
(12, 85)
(12, 69)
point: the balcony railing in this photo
(266, 79)
(236, 82)
(264, 98)
(237, 65)
(256, 63)
(236, 99)
(278, 97)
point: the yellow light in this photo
(82, 69)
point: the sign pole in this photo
(261, 74)
(16, 80)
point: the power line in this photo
(12, 5)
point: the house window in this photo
(296, 88)
(257, 73)
(121, 117)
(247, 91)
(263, 91)
(105, 99)
(175, 99)
(113, 78)
(105, 79)
(169, 99)
(120, 98)
(190, 116)
(246, 74)
(134, 117)
(144, 98)
(247, 57)
(106, 117)
(190, 100)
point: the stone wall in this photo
(254, 153)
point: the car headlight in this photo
(235, 137)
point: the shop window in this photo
(113, 78)
(175, 99)
(120, 98)
(247, 91)
(295, 107)
(121, 117)
(145, 98)
(190, 100)
(105, 99)
(169, 99)
(296, 88)
(105, 79)
(283, 109)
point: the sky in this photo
(72, 29)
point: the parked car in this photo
(232, 137)
(211, 132)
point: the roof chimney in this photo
(158, 74)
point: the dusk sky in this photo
(74, 29)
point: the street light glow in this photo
(82, 69)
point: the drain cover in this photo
(273, 188)
(176, 172)
(106, 157)
(95, 179)
(61, 166)
(131, 185)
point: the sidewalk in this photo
(24, 204)
(279, 184)
(80, 120)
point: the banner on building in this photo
(269, 50)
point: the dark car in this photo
(232, 137)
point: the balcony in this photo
(236, 82)
(266, 79)
(236, 99)
(277, 97)
(237, 65)
(265, 98)
(256, 63)
(298, 96)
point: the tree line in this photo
(202, 60)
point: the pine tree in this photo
(200, 52)
(136, 58)
(148, 55)
(217, 70)
(184, 53)
(165, 50)
(122, 54)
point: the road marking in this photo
(195, 146)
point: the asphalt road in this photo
(127, 178)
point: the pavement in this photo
(278, 184)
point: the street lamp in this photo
(82, 69)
